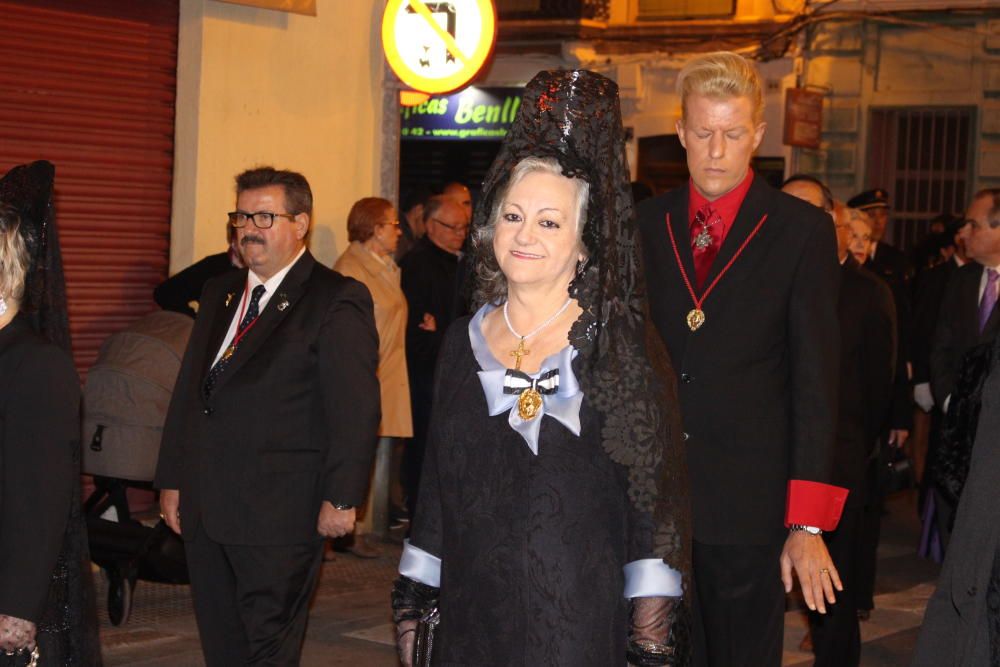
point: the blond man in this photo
(743, 283)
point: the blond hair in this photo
(14, 256)
(721, 74)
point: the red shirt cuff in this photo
(814, 504)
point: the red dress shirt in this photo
(723, 210)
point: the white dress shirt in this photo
(270, 287)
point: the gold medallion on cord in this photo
(695, 319)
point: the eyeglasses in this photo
(261, 219)
(455, 229)
(393, 223)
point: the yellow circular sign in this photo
(438, 47)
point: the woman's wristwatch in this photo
(342, 506)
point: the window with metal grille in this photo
(923, 157)
(685, 9)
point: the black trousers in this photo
(421, 397)
(251, 602)
(870, 529)
(739, 605)
(836, 635)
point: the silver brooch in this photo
(283, 303)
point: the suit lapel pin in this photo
(229, 297)
(283, 303)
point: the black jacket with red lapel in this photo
(758, 381)
(292, 420)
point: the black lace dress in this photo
(531, 546)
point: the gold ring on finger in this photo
(824, 571)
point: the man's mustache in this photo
(249, 238)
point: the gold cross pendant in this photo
(518, 354)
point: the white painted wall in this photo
(258, 86)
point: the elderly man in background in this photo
(430, 272)
(269, 438)
(867, 318)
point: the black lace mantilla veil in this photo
(623, 368)
(67, 632)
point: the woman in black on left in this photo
(39, 434)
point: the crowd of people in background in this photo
(757, 365)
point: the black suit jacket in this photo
(293, 419)
(39, 438)
(891, 264)
(867, 374)
(928, 291)
(958, 329)
(758, 381)
(179, 290)
(956, 627)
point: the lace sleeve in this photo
(410, 601)
(659, 633)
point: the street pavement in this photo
(350, 618)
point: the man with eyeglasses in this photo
(270, 434)
(429, 275)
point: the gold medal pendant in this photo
(528, 404)
(695, 319)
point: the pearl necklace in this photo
(520, 351)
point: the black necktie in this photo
(253, 309)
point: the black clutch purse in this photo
(424, 644)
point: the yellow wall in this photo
(258, 86)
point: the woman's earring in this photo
(3, 306)
(581, 266)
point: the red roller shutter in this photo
(89, 85)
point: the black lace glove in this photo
(660, 633)
(410, 601)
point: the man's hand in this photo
(170, 508)
(16, 633)
(334, 522)
(898, 436)
(807, 555)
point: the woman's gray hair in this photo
(14, 256)
(491, 284)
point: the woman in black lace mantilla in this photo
(46, 596)
(552, 526)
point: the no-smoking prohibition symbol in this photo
(438, 47)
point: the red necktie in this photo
(706, 239)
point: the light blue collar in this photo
(563, 406)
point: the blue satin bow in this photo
(563, 405)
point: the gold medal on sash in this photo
(695, 318)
